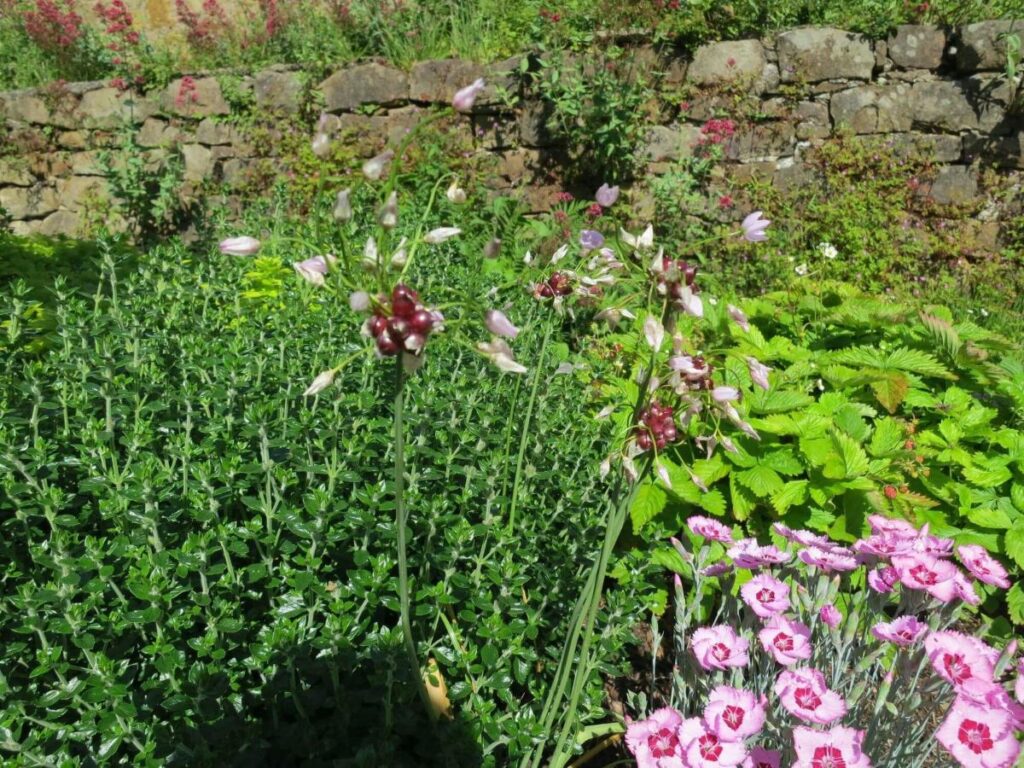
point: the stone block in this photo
(761, 141)
(25, 107)
(982, 46)
(917, 46)
(59, 223)
(873, 108)
(1004, 151)
(32, 202)
(273, 89)
(737, 61)
(88, 163)
(214, 132)
(351, 88)
(157, 133)
(495, 131)
(15, 174)
(437, 80)
(953, 185)
(110, 108)
(938, 147)
(237, 171)
(80, 192)
(534, 129)
(813, 54)
(199, 162)
(72, 140)
(203, 99)
(976, 103)
(668, 143)
(790, 177)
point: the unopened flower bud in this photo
(343, 206)
(388, 215)
(320, 383)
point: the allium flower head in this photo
(709, 529)
(754, 226)
(733, 714)
(606, 196)
(724, 394)
(983, 566)
(455, 194)
(963, 661)
(979, 737)
(312, 270)
(320, 383)
(655, 742)
(500, 354)
(765, 595)
(787, 641)
(905, 630)
(343, 206)
(836, 748)
(654, 332)
(719, 647)
(465, 97)
(803, 693)
(705, 749)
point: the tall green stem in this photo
(401, 517)
(526, 429)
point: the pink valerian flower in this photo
(904, 631)
(754, 226)
(803, 693)
(760, 757)
(747, 553)
(983, 566)
(765, 595)
(710, 529)
(465, 97)
(719, 647)
(963, 661)
(830, 616)
(837, 748)
(705, 749)
(655, 742)
(758, 372)
(928, 573)
(883, 580)
(979, 737)
(786, 640)
(733, 714)
(828, 560)
(606, 196)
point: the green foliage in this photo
(874, 408)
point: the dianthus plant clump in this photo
(816, 654)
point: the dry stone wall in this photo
(936, 90)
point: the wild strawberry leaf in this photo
(891, 390)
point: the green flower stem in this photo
(401, 519)
(539, 368)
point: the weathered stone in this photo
(770, 78)
(812, 121)
(278, 90)
(437, 80)
(665, 143)
(213, 132)
(939, 147)
(983, 45)
(790, 177)
(367, 134)
(534, 130)
(1004, 151)
(199, 162)
(953, 185)
(813, 54)
(28, 202)
(882, 61)
(15, 174)
(26, 107)
(110, 108)
(515, 165)
(917, 46)
(89, 163)
(761, 141)
(236, 172)
(156, 133)
(673, 70)
(202, 99)
(736, 61)
(72, 140)
(493, 131)
(504, 81)
(82, 192)
(873, 109)
(66, 223)
(976, 103)
(350, 88)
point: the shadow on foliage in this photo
(315, 712)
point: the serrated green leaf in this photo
(891, 390)
(743, 502)
(1017, 496)
(650, 499)
(1015, 603)
(711, 470)
(989, 517)
(853, 461)
(817, 450)
(848, 418)
(916, 361)
(777, 401)
(887, 438)
(989, 477)
(783, 461)
(1013, 542)
(943, 332)
(762, 480)
(792, 493)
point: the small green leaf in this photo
(648, 502)
(762, 480)
(1015, 603)
(1013, 542)
(891, 390)
(887, 438)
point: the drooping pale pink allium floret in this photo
(760, 757)
(710, 529)
(719, 647)
(705, 749)
(965, 662)
(979, 737)
(747, 553)
(904, 631)
(837, 748)
(786, 640)
(983, 566)
(765, 595)
(829, 560)
(733, 714)
(655, 742)
(926, 572)
(804, 694)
